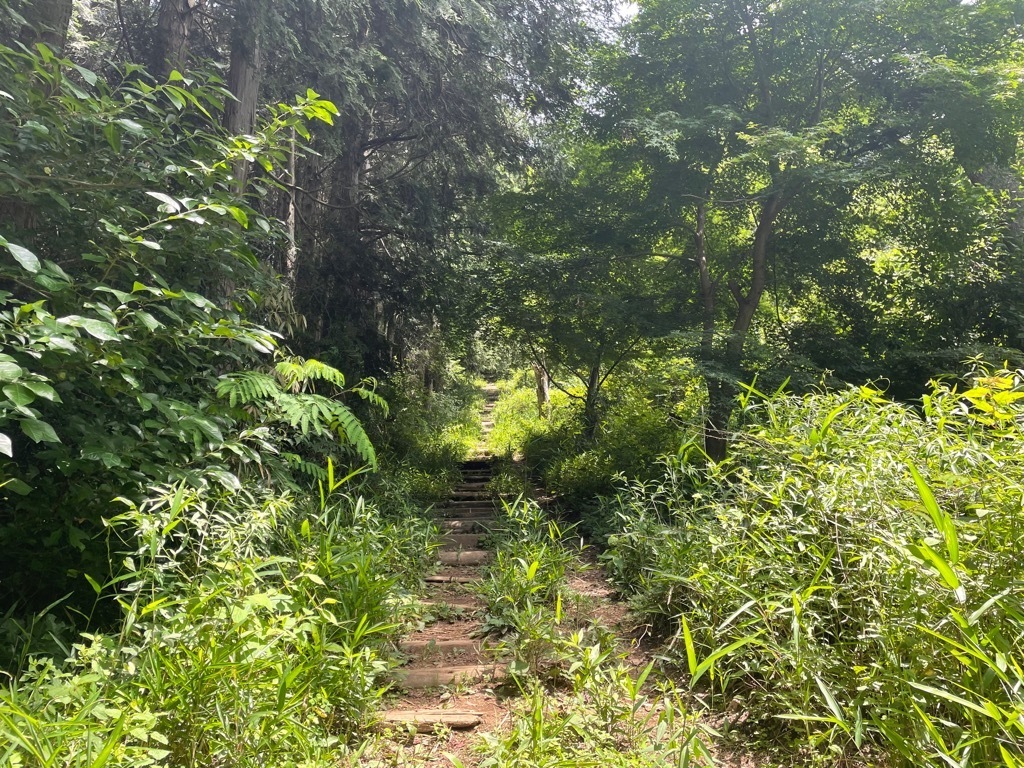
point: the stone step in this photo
(434, 677)
(426, 720)
(461, 540)
(464, 556)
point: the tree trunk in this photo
(243, 79)
(46, 22)
(590, 414)
(540, 376)
(721, 394)
(173, 36)
(723, 369)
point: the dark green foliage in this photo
(254, 629)
(111, 352)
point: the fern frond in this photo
(350, 428)
(247, 387)
(366, 390)
(297, 374)
(308, 468)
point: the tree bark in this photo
(173, 36)
(590, 414)
(244, 79)
(725, 368)
(46, 22)
(540, 376)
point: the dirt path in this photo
(450, 690)
(449, 683)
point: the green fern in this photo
(352, 428)
(308, 468)
(248, 387)
(287, 398)
(297, 375)
(366, 389)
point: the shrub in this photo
(858, 600)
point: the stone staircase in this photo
(453, 654)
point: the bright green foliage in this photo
(528, 574)
(852, 573)
(422, 440)
(571, 730)
(646, 403)
(253, 627)
(288, 398)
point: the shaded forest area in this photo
(751, 276)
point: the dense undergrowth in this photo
(579, 702)
(849, 579)
(200, 565)
(256, 626)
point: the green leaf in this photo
(830, 700)
(948, 575)
(709, 662)
(19, 394)
(99, 329)
(10, 370)
(950, 697)
(239, 215)
(39, 431)
(43, 390)
(941, 519)
(691, 651)
(88, 75)
(28, 260)
(113, 136)
(131, 126)
(20, 487)
(170, 205)
(207, 427)
(96, 586)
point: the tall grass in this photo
(252, 635)
(853, 573)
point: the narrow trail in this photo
(451, 673)
(451, 685)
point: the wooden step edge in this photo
(452, 578)
(467, 524)
(427, 720)
(434, 677)
(467, 644)
(464, 556)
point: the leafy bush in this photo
(638, 424)
(111, 350)
(529, 569)
(852, 570)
